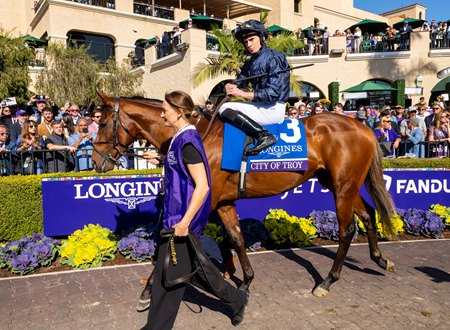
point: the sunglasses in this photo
(32, 126)
(386, 121)
(3, 134)
(294, 113)
(436, 108)
(97, 116)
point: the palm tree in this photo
(233, 55)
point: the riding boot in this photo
(264, 138)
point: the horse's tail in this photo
(380, 196)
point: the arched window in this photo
(100, 47)
(420, 15)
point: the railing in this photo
(52, 161)
(47, 161)
(146, 8)
(111, 4)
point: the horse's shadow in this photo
(193, 296)
(436, 275)
(349, 262)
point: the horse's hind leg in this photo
(230, 220)
(367, 215)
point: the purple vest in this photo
(179, 186)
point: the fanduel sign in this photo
(119, 203)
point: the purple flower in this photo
(145, 249)
(326, 224)
(24, 262)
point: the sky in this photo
(436, 9)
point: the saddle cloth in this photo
(288, 154)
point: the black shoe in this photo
(265, 140)
(238, 316)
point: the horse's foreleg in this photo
(367, 215)
(231, 222)
(344, 208)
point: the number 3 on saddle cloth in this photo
(288, 154)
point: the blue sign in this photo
(122, 202)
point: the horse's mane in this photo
(143, 99)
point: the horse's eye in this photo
(102, 125)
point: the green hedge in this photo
(21, 204)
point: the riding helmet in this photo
(249, 28)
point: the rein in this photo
(116, 144)
(214, 115)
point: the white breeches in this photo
(262, 113)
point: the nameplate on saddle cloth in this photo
(288, 154)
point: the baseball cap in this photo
(412, 108)
(20, 113)
(415, 121)
(361, 114)
(208, 101)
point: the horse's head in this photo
(124, 121)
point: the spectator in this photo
(293, 113)
(389, 138)
(87, 115)
(361, 116)
(425, 27)
(82, 141)
(74, 111)
(433, 33)
(447, 35)
(166, 45)
(357, 39)
(310, 40)
(58, 160)
(440, 35)
(326, 35)
(339, 109)
(67, 125)
(96, 116)
(438, 132)
(318, 42)
(390, 38)
(399, 111)
(209, 107)
(176, 37)
(45, 128)
(28, 142)
(422, 112)
(405, 35)
(16, 128)
(302, 113)
(414, 137)
(36, 104)
(349, 41)
(404, 125)
(6, 146)
(318, 108)
(159, 47)
(6, 117)
(190, 25)
(437, 109)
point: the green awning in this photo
(33, 41)
(276, 29)
(413, 22)
(369, 26)
(368, 86)
(440, 86)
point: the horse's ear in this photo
(105, 98)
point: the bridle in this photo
(116, 144)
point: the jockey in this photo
(269, 93)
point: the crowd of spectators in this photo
(419, 131)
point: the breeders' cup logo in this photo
(171, 158)
(125, 193)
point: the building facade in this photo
(117, 28)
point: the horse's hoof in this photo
(143, 305)
(390, 266)
(320, 292)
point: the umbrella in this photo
(413, 22)
(203, 22)
(369, 26)
(144, 42)
(276, 29)
(33, 40)
(368, 86)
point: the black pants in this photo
(165, 301)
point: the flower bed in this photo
(94, 246)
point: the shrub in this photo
(442, 211)
(326, 223)
(397, 225)
(286, 229)
(25, 255)
(88, 247)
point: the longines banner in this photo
(122, 202)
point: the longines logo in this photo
(279, 151)
(126, 193)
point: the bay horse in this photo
(342, 153)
